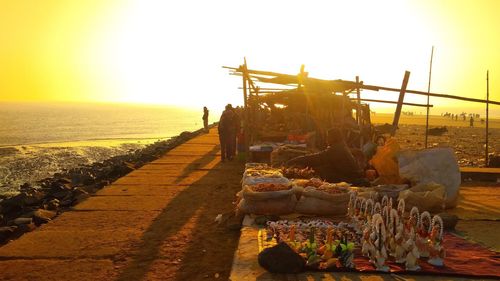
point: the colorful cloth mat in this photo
(463, 259)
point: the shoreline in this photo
(37, 204)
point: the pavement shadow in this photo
(203, 199)
(203, 161)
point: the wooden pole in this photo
(246, 128)
(358, 96)
(428, 92)
(486, 156)
(358, 115)
(402, 92)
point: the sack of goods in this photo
(321, 198)
(268, 199)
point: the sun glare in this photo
(163, 52)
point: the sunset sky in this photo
(171, 52)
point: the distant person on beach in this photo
(205, 118)
(226, 131)
(471, 121)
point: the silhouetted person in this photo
(226, 133)
(205, 118)
(471, 121)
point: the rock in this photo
(23, 228)
(494, 161)
(61, 195)
(6, 232)
(52, 204)
(437, 131)
(66, 203)
(449, 221)
(82, 197)
(281, 259)
(21, 220)
(42, 216)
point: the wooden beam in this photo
(395, 102)
(377, 88)
(428, 97)
(402, 92)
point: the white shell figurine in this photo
(424, 229)
(401, 209)
(350, 207)
(436, 249)
(377, 208)
(369, 211)
(412, 222)
(399, 252)
(367, 248)
(413, 255)
(380, 251)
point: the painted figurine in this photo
(380, 255)
(423, 232)
(436, 249)
(411, 262)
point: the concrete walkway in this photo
(143, 226)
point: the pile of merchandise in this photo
(266, 191)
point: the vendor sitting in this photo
(334, 164)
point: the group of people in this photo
(229, 127)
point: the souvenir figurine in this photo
(380, 255)
(367, 245)
(398, 238)
(424, 228)
(345, 253)
(377, 208)
(368, 211)
(436, 249)
(329, 246)
(350, 206)
(401, 209)
(385, 201)
(412, 222)
(413, 255)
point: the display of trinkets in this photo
(321, 243)
(379, 230)
(387, 233)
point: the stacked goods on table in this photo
(322, 198)
(266, 191)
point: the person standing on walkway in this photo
(205, 118)
(471, 121)
(226, 131)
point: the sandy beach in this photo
(468, 143)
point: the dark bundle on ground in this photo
(439, 131)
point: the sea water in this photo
(40, 139)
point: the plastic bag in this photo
(385, 162)
(435, 165)
(426, 197)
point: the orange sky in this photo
(167, 52)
